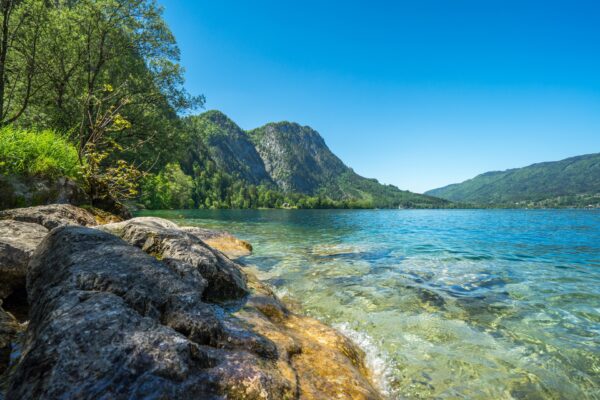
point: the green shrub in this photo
(37, 153)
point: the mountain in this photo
(228, 146)
(572, 181)
(296, 157)
(288, 158)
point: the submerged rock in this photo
(223, 241)
(51, 216)
(326, 364)
(18, 240)
(185, 251)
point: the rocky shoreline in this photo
(146, 309)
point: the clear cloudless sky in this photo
(419, 93)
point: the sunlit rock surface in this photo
(185, 252)
(145, 309)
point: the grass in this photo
(43, 153)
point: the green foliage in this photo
(106, 183)
(212, 188)
(37, 153)
(170, 189)
(228, 167)
(105, 71)
(214, 136)
(538, 185)
(24, 27)
(352, 185)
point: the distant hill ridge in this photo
(291, 158)
(576, 179)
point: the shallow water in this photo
(478, 304)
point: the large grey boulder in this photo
(109, 321)
(18, 240)
(51, 216)
(185, 251)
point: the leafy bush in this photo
(37, 153)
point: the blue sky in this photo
(417, 93)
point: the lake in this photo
(478, 304)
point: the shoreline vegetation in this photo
(41, 167)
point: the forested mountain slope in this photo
(284, 158)
(575, 177)
(227, 145)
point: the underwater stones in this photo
(51, 216)
(325, 363)
(223, 241)
(164, 240)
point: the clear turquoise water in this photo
(482, 304)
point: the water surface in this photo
(478, 304)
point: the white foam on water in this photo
(376, 360)
(281, 292)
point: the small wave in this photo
(376, 360)
(280, 292)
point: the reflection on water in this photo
(483, 304)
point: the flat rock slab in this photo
(18, 240)
(51, 216)
(164, 240)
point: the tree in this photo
(112, 79)
(21, 30)
(126, 45)
(171, 188)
